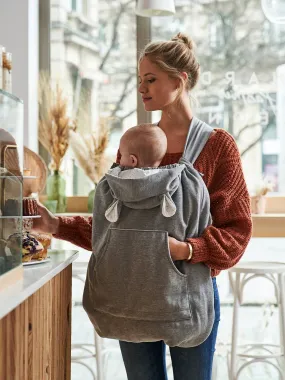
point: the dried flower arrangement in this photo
(264, 187)
(258, 201)
(89, 151)
(54, 123)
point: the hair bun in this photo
(184, 39)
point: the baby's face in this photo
(126, 160)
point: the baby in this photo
(143, 146)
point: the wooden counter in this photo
(35, 329)
(268, 225)
(264, 225)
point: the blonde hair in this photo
(147, 142)
(174, 57)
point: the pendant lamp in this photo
(149, 8)
(274, 10)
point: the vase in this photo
(258, 204)
(56, 190)
(91, 196)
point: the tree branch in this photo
(256, 141)
(123, 7)
(242, 130)
(124, 93)
(128, 114)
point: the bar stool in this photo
(88, 350)
(239, 276)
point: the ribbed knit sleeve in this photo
(223, 243)
(76, 230)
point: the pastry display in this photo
(12, 207)
(45, 240)
(30, 207)
(29, 248)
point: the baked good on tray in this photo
(30, 247)
(30, 207)
(45, 240)
(12, 207)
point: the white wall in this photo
(281, 124)
(19, 34)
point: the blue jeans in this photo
(146, 361)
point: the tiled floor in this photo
(257, 323)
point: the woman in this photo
(167, 72)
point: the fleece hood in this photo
(143, 188)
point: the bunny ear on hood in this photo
(113, 211)
(168, 207)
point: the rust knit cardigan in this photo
(223, 243)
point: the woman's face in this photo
(157, 89)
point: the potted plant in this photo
(54, 132)
(90, 153)
(258, 205)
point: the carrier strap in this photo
(198, 135)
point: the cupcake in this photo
(30, 206)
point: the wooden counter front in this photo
(35, 337)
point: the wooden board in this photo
(33, 162)
(35, 338)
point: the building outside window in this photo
(93, 54)
(239, 52)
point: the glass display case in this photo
(11, 181)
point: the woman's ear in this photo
(184, 76)
(134, 160)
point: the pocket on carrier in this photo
(136, 278)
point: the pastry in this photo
(45, 240)
(27, 172)
(29, 248)
(30, 207)
(12, 207)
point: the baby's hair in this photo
(147, 142)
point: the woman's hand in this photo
(179, 250)
(48, 223)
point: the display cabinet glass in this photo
(11, 181)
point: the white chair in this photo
(87, 350)
(273, 354)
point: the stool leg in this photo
(236, 286)
(282, 319)
(99, 356)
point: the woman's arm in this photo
(223, 243)
(75, 229)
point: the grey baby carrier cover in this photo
(134, 291)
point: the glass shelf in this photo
(11, 180)
(7, 95)
(19, 217)
(19, 176)
(11, 125)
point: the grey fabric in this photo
(134, 291)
